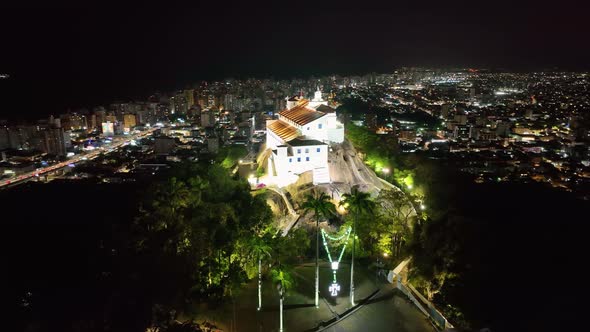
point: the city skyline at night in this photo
(294, 166)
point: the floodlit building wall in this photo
(288, 162)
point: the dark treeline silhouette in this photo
(516, 252)
(67, 265)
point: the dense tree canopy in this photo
(152, 250)
(206, 218)
(229, 156)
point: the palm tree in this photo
(171, 198)
(177, 194)
(322, 208)
(284, 282)
(357, 202)
(259, 249)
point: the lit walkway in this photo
(388, 311)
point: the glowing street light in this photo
(422, 206)
(385, 171)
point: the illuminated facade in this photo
(108, 129)
(299, 140)
(129, 121)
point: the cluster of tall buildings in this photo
(54, 134)
(49, 137)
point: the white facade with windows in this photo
(287, 162)
(299, 140)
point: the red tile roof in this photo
(302, 115)
(283, 130)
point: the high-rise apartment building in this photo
(189, 97)
(54, 141)
(129, 121)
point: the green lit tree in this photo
(172, 196)
(357, 202)
(396, 218)
(322, 208)
(260, 171)
(436, 249)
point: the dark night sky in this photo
(72, 56)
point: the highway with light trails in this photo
(76, 159)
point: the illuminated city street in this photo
(122, 141)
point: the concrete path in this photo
(387, 312)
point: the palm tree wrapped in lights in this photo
(357, 202)
(259, 249)
(322, 208)
(284, 281)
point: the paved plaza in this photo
(387, 310)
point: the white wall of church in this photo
(331, 121)
(316, 130)
(325, 129)
(291, 104)
(336, 135)
(278, 159)
(272, 140)
(303, 158)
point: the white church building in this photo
(299, 140)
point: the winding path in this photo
(294, 217)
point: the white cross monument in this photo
(334, 289)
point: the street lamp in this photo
(385, 171)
